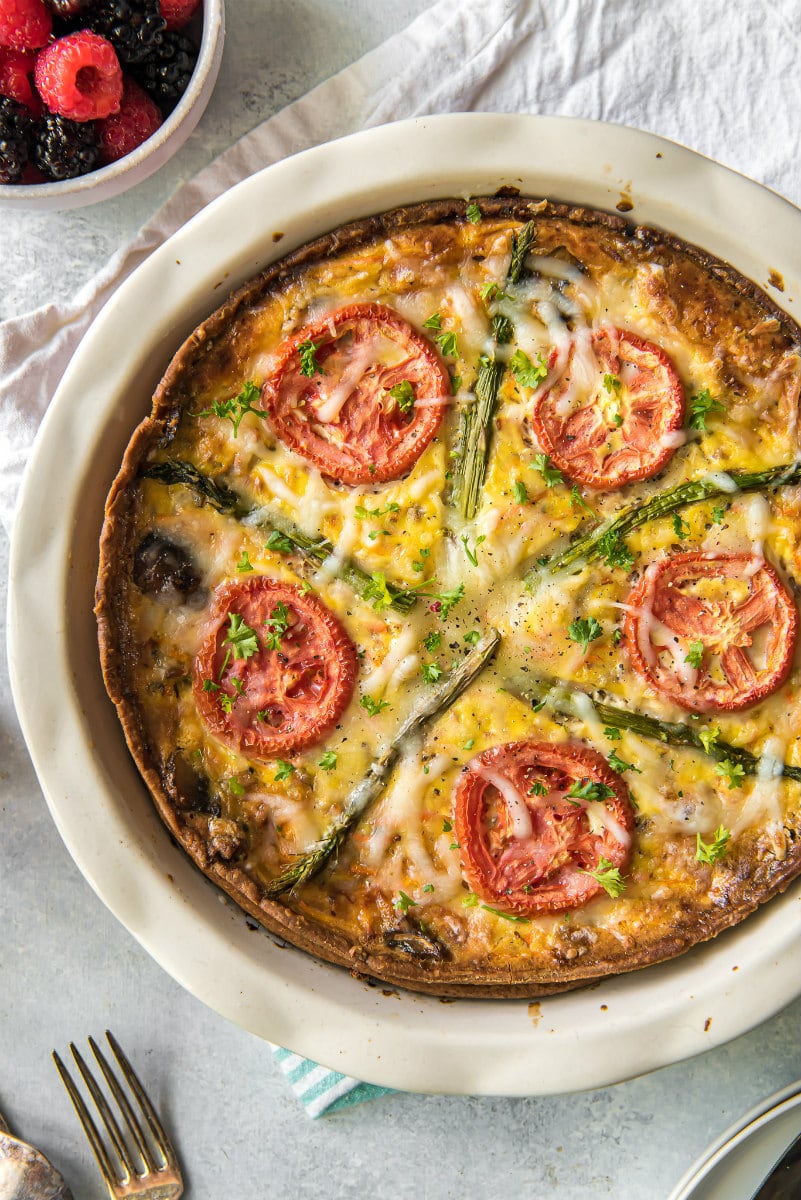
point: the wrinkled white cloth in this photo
(722, 78)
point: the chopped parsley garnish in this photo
(456, 383)
(519, 492)
(608, 876)
(226, 702)
(506, 916)
(285, 769)
(471, 554)
(550, 474)
(527, 373)
(403, 395)
(448, 344)
(241, 638)
(469, 744)
(711, 852)
(309, 365)
(377, 591)
(584, 630)
(490, 290)
(473, 213)
(373, 707)
(587, 789)
(472, 637)
(680, 527)
(470, 900)
(617, 637)
(695, 654)
(732, 772)
(429, 887)
(613, 734)
(234, 408)
(578, 501)
(276, 625)
(702, 405)
(328, 761)
(433, 322)
(403, 902)
(280, 543)
(418, 564)
(431, 672)
(446, 600)
(365, 513)
(235, 787)
(709, 738)
(432, 642)
(718, 513)
(620, 765)
(447, 825)
(210, 686)
(244, 563)
(613, 384)
(617, 420)
(615, 552)
(538, 789)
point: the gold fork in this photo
(161, 1177)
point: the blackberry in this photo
(64, 9)
(16, 129)
(134, 27)
(166, 72)
(64, 148)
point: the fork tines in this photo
(140, 1160)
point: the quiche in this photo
(447, 597)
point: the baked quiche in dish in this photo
(448, 598)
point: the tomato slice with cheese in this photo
(276, 669)
(615, 413)
(711, 631)
(359, 393)
(535, 820)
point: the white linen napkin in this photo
(720, 77)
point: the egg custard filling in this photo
(447, 597)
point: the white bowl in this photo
(589, 1038)
(145, 159)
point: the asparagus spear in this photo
(285, 536)
(476, 420)
(372, 785)
(600, 540)
(562, 699)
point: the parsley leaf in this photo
(584, 631)
(234, 408)
(586, 789)
(373, 707)
(718, 513)
(709, 738)
(695, 654)
(506, 916)
(608, 876)
(377, 591)
(328, 761)
(613, 734)
(432, 642)
(471, 554)
(403, 395)
(709, 853)
(241, 637)
(235, 787)
(702, 405)
(472, 637)
(433, 322)
(470, 900)
(448, 344)
(578, 501)
(280, 543)
(244, 563)
(615, 552)
(527, 373)
(365, 513)
(444, 601)
(431, 672)
(733, 773)
(680, 527)
(309, 365)
(277, 625)
(551, 475)
(403, 902)
(447, 825)
(285, 769)
(538, 789)
(456, 383)
(473, 213)
(613, 384)
(620, 765)
(519, 492)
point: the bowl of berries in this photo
(95, 95)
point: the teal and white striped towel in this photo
(320, 1090)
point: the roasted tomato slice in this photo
(615, 414)
(330, 394)
(276, 669)
(525, 842)
(711, 631)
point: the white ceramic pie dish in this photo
(590, 1038)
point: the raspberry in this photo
(64, 148)
(80, 77)
(16, 126)
(137, 119)
(166, 72)
(24, 24)
(16, 68)
(178, 13)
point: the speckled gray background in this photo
(68, 969)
